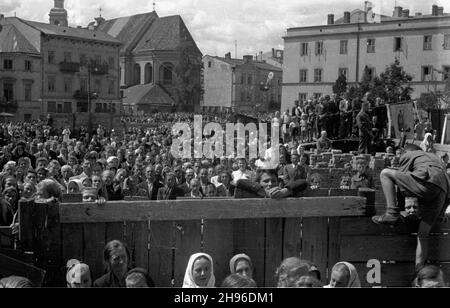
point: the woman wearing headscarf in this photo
(199, 272)
(78, 274)
(427, 144)
(344, 275)
(241, 264)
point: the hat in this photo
(111, 158)
(294, 152)
(75, 271)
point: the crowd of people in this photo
(42, 162)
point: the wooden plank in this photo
(114, 231)
(53, 246)
(10, 266)
(129, 233)
(392, 248)
(26, 234)
(161, 243)
(315, 242)
(72, 198)
(273, 249)
(218, 240)
(94, 243)
(6, 237)
(219, 209)
(334, 243)
(187, 242)
(392, 275)
(249, 238)
(292, 241)
(343, 192)
(140, 244)
(72, 236)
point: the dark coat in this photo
(164, 193)
(109, 280)
(152, 195)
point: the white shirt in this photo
(215, 181)
(238, 175)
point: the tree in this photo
(396, 83)
(340, 86)
(428, 101)
(187, 78)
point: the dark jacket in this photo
(165, 193)
(249, 189)
(152, 195)
(109, 280)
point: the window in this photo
(317, 95)
(304, 49)
(51, 57)
(370, 45)
(302, 97)
(98, 60)
(111, 86)
(67, 85)
(343, 71)
(83, 60)
(27, 86)
(8, 64)
(98, 86)
(303, 75)
(343, 49)
(370, 72)
(111, 62)
(27, 65)
(209, 63)
(51, 83)
(8, 90)
(427, 73)
(427, 40)
(167, 74)
(83, 84)
(67, 107)
(242, 78)
(51, 107)
(446, 74)
(319, 48)
(67, 56)
(318, 75)
(249, 79)
(447, 41)
(59, 108)
(397, 44)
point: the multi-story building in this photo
(153, 59)
(235, 84)
(315, 56)
(75, 70)
(20, 75)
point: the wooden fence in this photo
(161, 236)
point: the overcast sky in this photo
(257, 25)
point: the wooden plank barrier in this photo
(161, 236)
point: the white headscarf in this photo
(425, 144)
(235, 259)
(188, 281)
(353, 281)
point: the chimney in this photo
(248, 58)
(273, 53)
(418, 14)
(346, 17)
(228, 55)
(440, 11)
(398, 11)
(330, 19)
(406, 13)
(434, 10)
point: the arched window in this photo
(166, 72)
(148, 73)
(137, 74)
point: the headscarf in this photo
(188, 281)
(353, 281)
(236, 259)
(79, 183)
(425, 144)
(75, 271)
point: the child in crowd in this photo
(78, 274)
(344, 275)
(361, 179)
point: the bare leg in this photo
(387, 178)
(422, 244)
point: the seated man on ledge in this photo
(323, 144)
(267, 186)
(419, 175)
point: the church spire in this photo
(58, 14)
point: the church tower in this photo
(58, 15)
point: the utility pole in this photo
(235, 49)
(357, 53)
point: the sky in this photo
(256, 25)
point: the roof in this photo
(78, 33)
(261, 65)
(166, 33)
(147, 94)
(12, 40)
(358, 14)
(127, 29)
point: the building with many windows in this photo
(315, 56)
(235, 84)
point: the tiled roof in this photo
(79, 33)
(166, 33)
(127, 29)
(147, 94)
(11, 40)
(261, 65)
